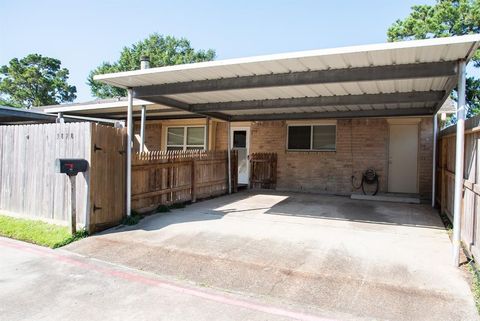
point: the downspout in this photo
(229, 148)
(434, 165)
(459, 159)
(129, 151)
(142, 128)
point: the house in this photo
(328, 114)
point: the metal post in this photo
(229, 148)
(142, 128)
(459, 155)
(207, 133)
(434, 165)
(129, 151)
(60, 119)
(73, 205)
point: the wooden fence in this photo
(263, 170)
(168, 177)
(29, 186)
(445, 181)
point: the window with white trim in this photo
(186, 138)
(311, 137)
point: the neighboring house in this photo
(329, 114)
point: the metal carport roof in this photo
(390, 79)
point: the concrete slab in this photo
(367, 260)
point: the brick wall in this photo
(153, 135)
(361, 143)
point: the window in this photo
(186, 138)
(311, 137)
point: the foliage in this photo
(445, 18)
(37, 232)
(133, 219)
(475, 284)
(162, 51)
(35, 81)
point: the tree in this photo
(162, 51)
(444, 19)
(35, 81)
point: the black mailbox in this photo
(71, 166)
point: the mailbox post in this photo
(71, 167)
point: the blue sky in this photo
(82, 34)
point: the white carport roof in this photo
(390, 79)
(116, 108)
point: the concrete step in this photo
(388, 197)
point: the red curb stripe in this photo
(164, 284)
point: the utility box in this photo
(71, 166)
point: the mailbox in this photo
(71, 166)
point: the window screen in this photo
(175, 136)
(324, 137)
(195, 136)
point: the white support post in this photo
(129, 151)
(229, 148)
(434, 160)
(142, 128)
(459, 159)
(60, 119)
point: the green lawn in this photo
(37, 232)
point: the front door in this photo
(402, 164)
(240, 142)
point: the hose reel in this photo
(369, 177)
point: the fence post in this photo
(194, 183)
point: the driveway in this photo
(332, 256)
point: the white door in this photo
(403, 149)
(240, 142)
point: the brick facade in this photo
(361, 143)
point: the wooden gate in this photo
(263, 170)
(107, 177)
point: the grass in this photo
(471, 267)
(38, 232)
(475, 285)
(136, 217)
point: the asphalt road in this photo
(42, 284)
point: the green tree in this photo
(35, 81)
(162, 51)
(444, 19)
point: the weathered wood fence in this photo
(29, 186)
(445, 181)
(168, 177)
(263, 170)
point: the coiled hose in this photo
(369, 177)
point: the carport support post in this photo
(459, 155)
(129, 151)
(142, 128)
(229, 148)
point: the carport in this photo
(412, 78)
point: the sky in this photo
(83, 34)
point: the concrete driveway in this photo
(332, 256)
